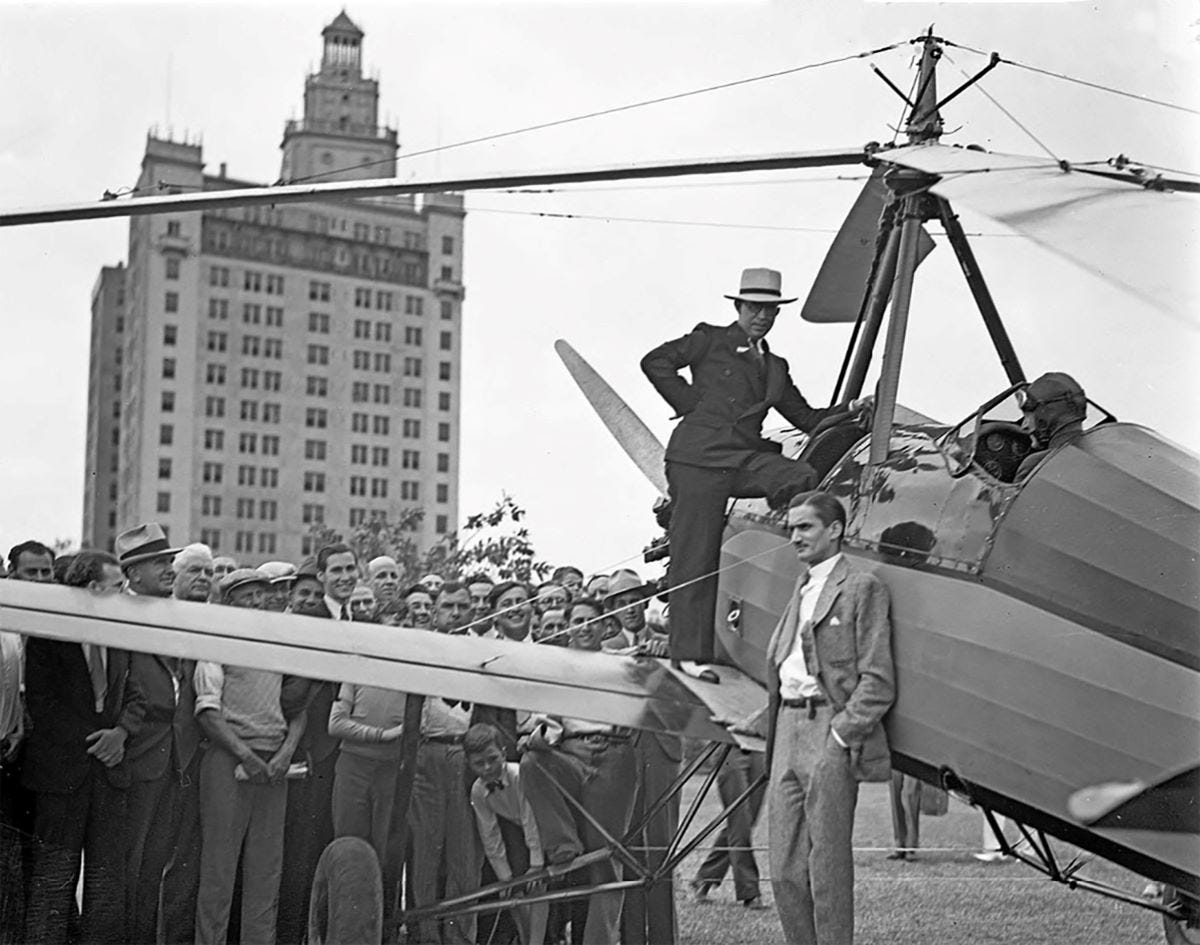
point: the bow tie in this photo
(493, 786)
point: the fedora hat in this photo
(761, 285)
(141, 543)
(625, 581)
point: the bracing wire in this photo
(1009, 115)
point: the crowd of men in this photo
(196, 798)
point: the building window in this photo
(270, 477)
(444, 371)
(314, 449)
(245, 508)
(272, 380)
(447, 245)
(214, 439)
(312, 514)
(275, 285)
(443, 492)
(168, 371)
(446, 341)
(362, 298)
(166, 434)
(252, 281)
(383, 331)
(249, 410)
(383, 301)
(412, 397)
(273, 348)
(317, 387)
(211, 537)
(270, 445)
(318, 354)
(318, 323)
(173, 228)
(214, 374)
(358, 423)
(251, 345)
(379, 455)
(271, 413)
(383, 394)
(447, 310)
(247, 475)
(318, 291)
(412, 335)
(383, 234)
(447, 274)
(441, 525)
(379, 488)
(444, 432)
(251, 314)
(210, 505)
(214, 406)
(218, 308)
(444, 400)
(218, 275)
(414, 305)
(409, 490)
(360, 392)
(361, 360)
(164, 468)
(412, 429)
(212, 472)
(362, 328)
(266, 543)
(381, 425)
(250, 377)
(358, 485)
(274, 316)
(314, 482)
(172, 266)
(358, 454)
(168, 401)
(383, 362)
(316, 417)
(116, 410)
(247, 443)
(357, 517)
(412, 367)
(268, 510)
(217, 341)
(243, 541)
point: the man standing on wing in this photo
(717, 450)
(830, 680)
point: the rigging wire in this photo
(613, 219)
(615, 109)
(904, 109)
(1084, 82)
(706, 183)
(1009, 115)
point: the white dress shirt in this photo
(338, 610)
(796, 681)
(507, 801)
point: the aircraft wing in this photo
(1064, 210)
(1170, 804)
(621, 690)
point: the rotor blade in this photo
(841, 285)
(627, 427)
(386, 187)
(1140, 240)
(622, 690)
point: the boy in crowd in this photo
(506, 823)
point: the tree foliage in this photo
(494, 542)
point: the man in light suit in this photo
(830, 679)
(717, 451)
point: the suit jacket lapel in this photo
(829, 593)
(784, 638)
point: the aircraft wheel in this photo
(1177, 933)
(347, 895)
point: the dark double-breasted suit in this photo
(813, 784)
(164, 813)
(716, 452)
(80, 802)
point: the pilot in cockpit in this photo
(1052, 409)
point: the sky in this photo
(639, 263)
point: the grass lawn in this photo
(945, 896)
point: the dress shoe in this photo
(701, 888)
(696, 670)
(754, 902)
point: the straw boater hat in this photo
(761, 285)
(141, 543)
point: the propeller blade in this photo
(627, 427)
(841, 285)
(386, 187)
(1077, 216)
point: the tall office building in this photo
(282, 366)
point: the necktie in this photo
(493, 786)
(346, 613)
(756, 352)
(95, 661)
